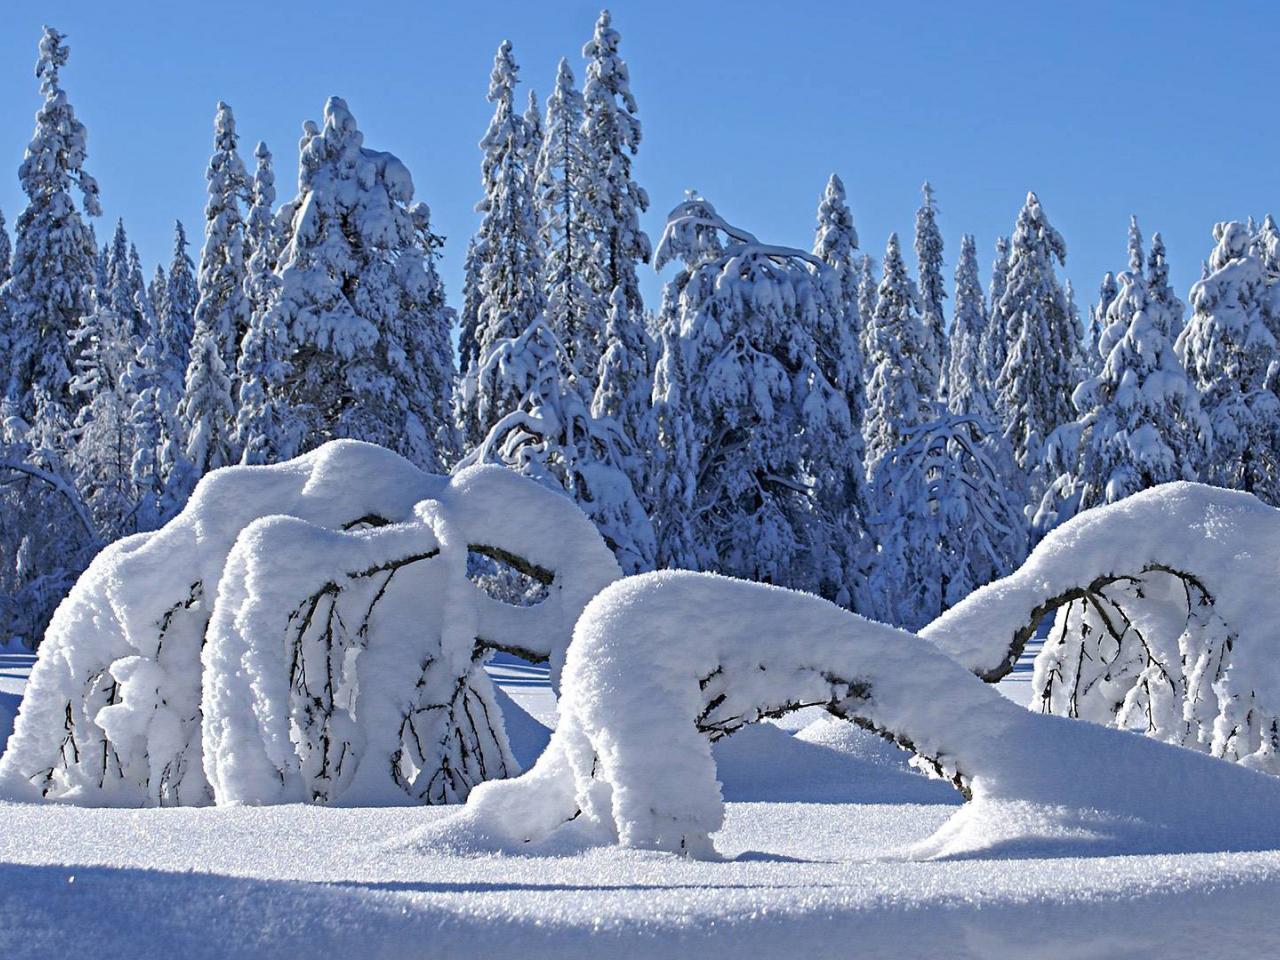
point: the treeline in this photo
(814, 418)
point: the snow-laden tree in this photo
(944, 519)
(358, 304)
(177, 320)
(102, 456)
(898, 393)
(222, 311)
(154, 443)
(1140, 422)
(47, 534)
(6, 253)
(761, 470)
(624, 386)
(126, 286)
(928, 247)
(158, 294)
(1160, 296)
(995, 346)
(265, 430)
(54, 255)
(867, 286)
(506, 249)
(469, 317)
(1080, 364)
(1230, 356)
(612, 135)
(206, 414)
(550, 435)
(571, 273)
(1107, 292)
(1034, 386)
(966, 376)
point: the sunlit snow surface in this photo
(814, 826)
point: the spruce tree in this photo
(928, 247)
(359, 306)
(624, 386)
(995, 346)
(898, 396)
(966, 379)
(222, 311)
(571, 275)
(867, 286)
(1160, 296)
(612, 135)
(6, 252)
(1034, 386)
(1107, 292)
(54, 255)
(1230, 355)
(263, 424)
(507, 249)
(760, 468)
(206, 415)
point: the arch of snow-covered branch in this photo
(1165, 610)
(301, 631)
(663, 664)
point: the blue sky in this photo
(1166, 110)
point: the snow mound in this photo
(1165, 610)
(661, 665)
(302, 631)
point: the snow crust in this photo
(664, 663)
(258, 647)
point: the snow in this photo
(663, 663)
(185, 666)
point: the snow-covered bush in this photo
(663, 664)
(1164, 608)
(301, 631)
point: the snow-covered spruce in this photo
(504, 294)
(53, 264)
(1034, 385)
(756, 478)
(944, 519)
(967, 379)
(1140, 422)
(995, 345)
(1165, 604)
(928, 247)
(301, 631)
(663, 664)
(1231, 357)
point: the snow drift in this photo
(1165, 608)
(663, 664)
(301, 631)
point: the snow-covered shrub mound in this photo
(663, 664)
(301, 631)
(1165, 606)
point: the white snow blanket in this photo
(663, 664)
(1166, 611)
(301, 631)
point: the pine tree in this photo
(358, 302)
(897, 391)
(571, 275)
(508, 252)
(222, 311)
(158, 294)
(995, 347)
(1230, 355)
(263, 425)
(867, 286)
(469, 318)
(152, 428)
(612, 135)
(928, 246)
(1034, 386)
(177, 321)
(756, 467)
(624, 386)
(54, 256)
(966, 380)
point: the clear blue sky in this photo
(1167, 110)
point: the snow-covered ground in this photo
(818, 814)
